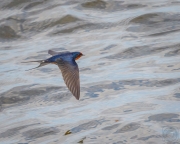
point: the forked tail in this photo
(42, 63)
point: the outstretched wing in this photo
(51, 52)
(70, 73)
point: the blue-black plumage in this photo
(68, 66)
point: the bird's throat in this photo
(77, 57)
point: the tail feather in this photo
(35, 67)
(42, 63)
(39, 61)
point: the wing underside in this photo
(70, 73)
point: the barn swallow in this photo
(68, 66)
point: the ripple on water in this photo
(7, 33)
(14, 131)
(177, 95)
(149, 137)
(173, 53)
(97, 4)
(128, 127)
(142, 51)
(111, 6)
(23, 94)
(42, 25)
(75, 28)
(155, 24)
(40, 132)
(34, 4)
(16, 4)
(168, 117)
(25, 4)
(111, 127)
(140, 83)
(20, 26)
(86, 126)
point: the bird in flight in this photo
(68, 66)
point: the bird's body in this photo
(69, 68)
(66, 56)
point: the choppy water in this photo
(130, 76)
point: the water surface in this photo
(130, 75)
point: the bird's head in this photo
(77, 55)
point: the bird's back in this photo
(64, 56)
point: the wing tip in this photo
(77, 97)
(51, 52)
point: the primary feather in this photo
(70, 73)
